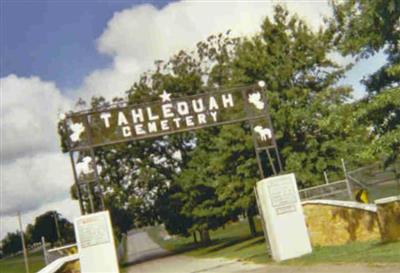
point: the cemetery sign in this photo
(86, 130)
(133, 122)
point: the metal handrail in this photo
(323, 186)
(327, 194)
(61, 248)
(57, 264)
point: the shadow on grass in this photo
(219, 244)
(214, 243)
(256, 242)
(387, 243)
(228, 243)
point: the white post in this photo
(349, 192)
(326, 178)
(21, 231)
(57, 228)
(46, 260)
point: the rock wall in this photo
(332, 222)
(70, 267)
(389, 218)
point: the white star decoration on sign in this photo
(77, 129)
(255, 98)
(265, 133)
(165, 96)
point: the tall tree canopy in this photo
(366, 28)
(306, 105)
(46, 226)
(11, 243)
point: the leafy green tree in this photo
(194, 196)
(198, 195)
(28, 233)
(170, 209)
(314, 124)
(11, 243)
(305, 101)
(366, 28)
(231, 169)
(45, 226)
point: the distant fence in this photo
(379, 181)
(334, 190)
(374, 174)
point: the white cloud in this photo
(29, 110)
(31, 181)
(33, 169)
(69, 209)
(138, 36)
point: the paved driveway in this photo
(141, 248)
(185, 264)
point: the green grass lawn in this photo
(16, 264)
(372, 252)
(234, 242)
(36, 262)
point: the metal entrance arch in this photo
(118, 123)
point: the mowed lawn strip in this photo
(372, 252)
(235, 242)
(16, 264)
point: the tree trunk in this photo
(194, 237)
(250, 220)
(205, 236)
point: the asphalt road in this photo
(148, 257)
(141, 248)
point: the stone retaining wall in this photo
(332, 222)
(389, 218)
(70, 267)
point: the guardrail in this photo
(57, 264)
(53, 254)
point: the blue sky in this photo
(55, 39)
